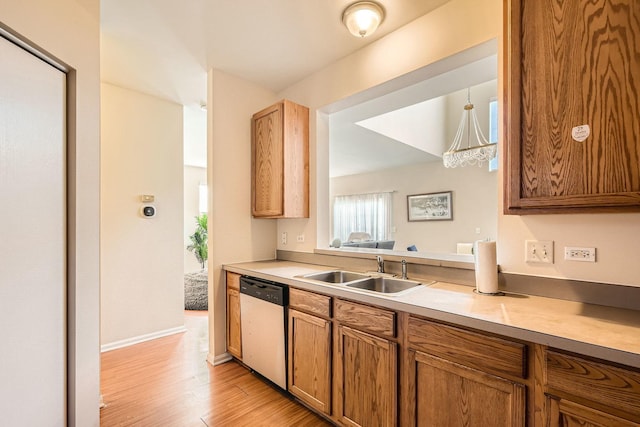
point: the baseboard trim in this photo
(141, 338)
(218, 360)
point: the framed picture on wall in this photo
(430, 207)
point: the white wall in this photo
(69, 30)
(474, 203)
(234, 235)
(615, 237)
(142, 259)
(195, 136)
(193, 177)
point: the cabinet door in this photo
(234, 336)
(280, 161)
(268, 163)
(365, 379)
(448, 394)
(565, 413)
(310, 360)
(595, 384)
(572, 113)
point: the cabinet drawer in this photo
(233, 281)
(479, 351)
(310, 302)
(376, 320)
(607, 385)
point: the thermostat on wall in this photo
(148, 211)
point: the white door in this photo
(32, 241)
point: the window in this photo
(203, 198)
(367, 213)
(493, 131)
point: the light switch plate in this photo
(539, 251)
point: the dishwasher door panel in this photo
(263, 348)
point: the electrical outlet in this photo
(300, 238)
(283, 238)
(539, 251)
(579, 254)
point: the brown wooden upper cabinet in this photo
(280, 161)
(572, 106)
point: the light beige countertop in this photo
(604, 332)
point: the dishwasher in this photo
(262, 310)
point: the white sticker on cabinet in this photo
(580, 133)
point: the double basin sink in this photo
(378, 283)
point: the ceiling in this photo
(165, 47)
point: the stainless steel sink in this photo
(387, 285)
(384, 285)
(335, 276)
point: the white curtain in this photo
(369, 213)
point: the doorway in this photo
(195, 208)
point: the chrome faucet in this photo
(380, 264)
(404, 269)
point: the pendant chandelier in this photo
(480, 151)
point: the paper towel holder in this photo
(493, 294)
(486, 268)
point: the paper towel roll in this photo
(486, 267)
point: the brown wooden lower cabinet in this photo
(234, 336)
(584, 392)
(449, 394)
(366, 378)
(565, 413)
(310, 360)
(458, 377)
(358, 364)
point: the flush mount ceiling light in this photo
(479, 152)
(363, 18)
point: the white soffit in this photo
(419, 125)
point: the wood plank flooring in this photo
(167, 382)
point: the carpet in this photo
(195, 290)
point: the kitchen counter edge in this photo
(286, 271)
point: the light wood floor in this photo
(167, 382)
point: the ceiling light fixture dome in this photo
(362, 18)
